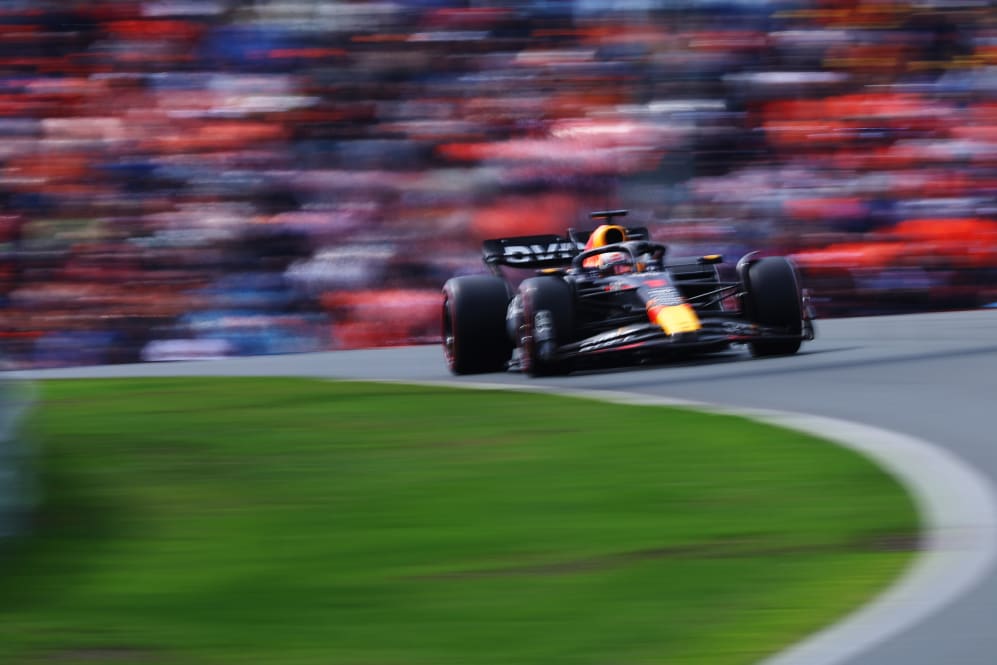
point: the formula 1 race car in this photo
(610, 296)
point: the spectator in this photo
(186, 179)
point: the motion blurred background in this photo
(186, 179)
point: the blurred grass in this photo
(292, 521)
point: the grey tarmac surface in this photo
(921, 389)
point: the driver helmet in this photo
(604, 234)
(614, 263)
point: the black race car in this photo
(612, 296)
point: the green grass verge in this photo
(244, 521)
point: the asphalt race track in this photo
(920, 390)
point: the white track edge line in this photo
(957, 505)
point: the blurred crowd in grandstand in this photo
(199, 178)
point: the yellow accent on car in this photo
(678, 319)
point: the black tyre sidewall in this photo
(775, 301)
(474, 309)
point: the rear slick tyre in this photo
(473, 324)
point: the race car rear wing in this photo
(544, 251)
(539, 251)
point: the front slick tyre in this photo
(548, 319)
(474, 332)
(775, 301)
